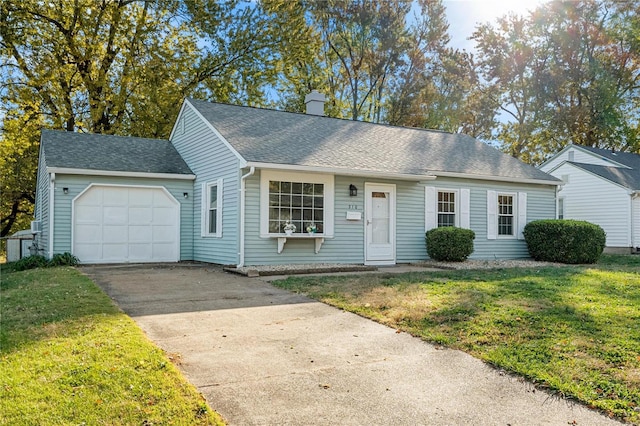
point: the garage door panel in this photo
(161, 200)
(164, 216)
(139, 252)
(141, 197)
(140, 215)
(163, 234)
(89, 252)
(88, 214)
(126, 224)
(113, 215)
(164, 251)
(115, 251)
(140, 234)
(89, 233)
(115, 233)
(115, 196)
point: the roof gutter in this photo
(338, 171)
(118, 173)
(243, 185)
(499, 178)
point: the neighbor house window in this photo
(446, 208)
(212, 209)
(303, 200)
(505, 214)
(560, 208)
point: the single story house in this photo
(230, 178)
(603, 187)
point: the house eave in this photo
(338, 171)
(498, 178)
(118, 173)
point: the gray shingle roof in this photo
(628, 178)
(627, 158)
(111, 153)
(269, 136)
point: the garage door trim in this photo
(170, 196)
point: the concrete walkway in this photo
(264, 356)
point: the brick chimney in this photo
(315, 103)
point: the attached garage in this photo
(113, 199)
(116, 224)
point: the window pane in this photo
(298, 202)
(213, 196)
(307, 189)
(212, 221)
(274, 227)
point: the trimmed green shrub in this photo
(63, 259)
(38, 261)
(29, 262)
(564, 241)
(450, 244)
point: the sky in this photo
(464, 15)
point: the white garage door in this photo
(116, 224)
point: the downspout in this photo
(52, 187)
(243, 185)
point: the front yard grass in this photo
(69, 356)
(574, 330)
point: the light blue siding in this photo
(41, 212)
(347, 246)
(540, 205)
(210, 159)
(78, 183)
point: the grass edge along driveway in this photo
(572, 330)
(68, 355)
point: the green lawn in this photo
(69, 356)
(574, 330)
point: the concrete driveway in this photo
(264, 356)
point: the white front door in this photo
(380, 224)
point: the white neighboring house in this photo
(603, 187)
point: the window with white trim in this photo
(297, 203)
(447, 208)
(301, 199)
(506, 214)
(212, 209)
(560, 208)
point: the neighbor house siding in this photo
(210, 159)
(41, 212)
(540, 205)
(597, 200)
(78, 183)
(579, 156)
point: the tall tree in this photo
(123, 67)
(364, 41)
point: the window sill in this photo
(282, 240)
